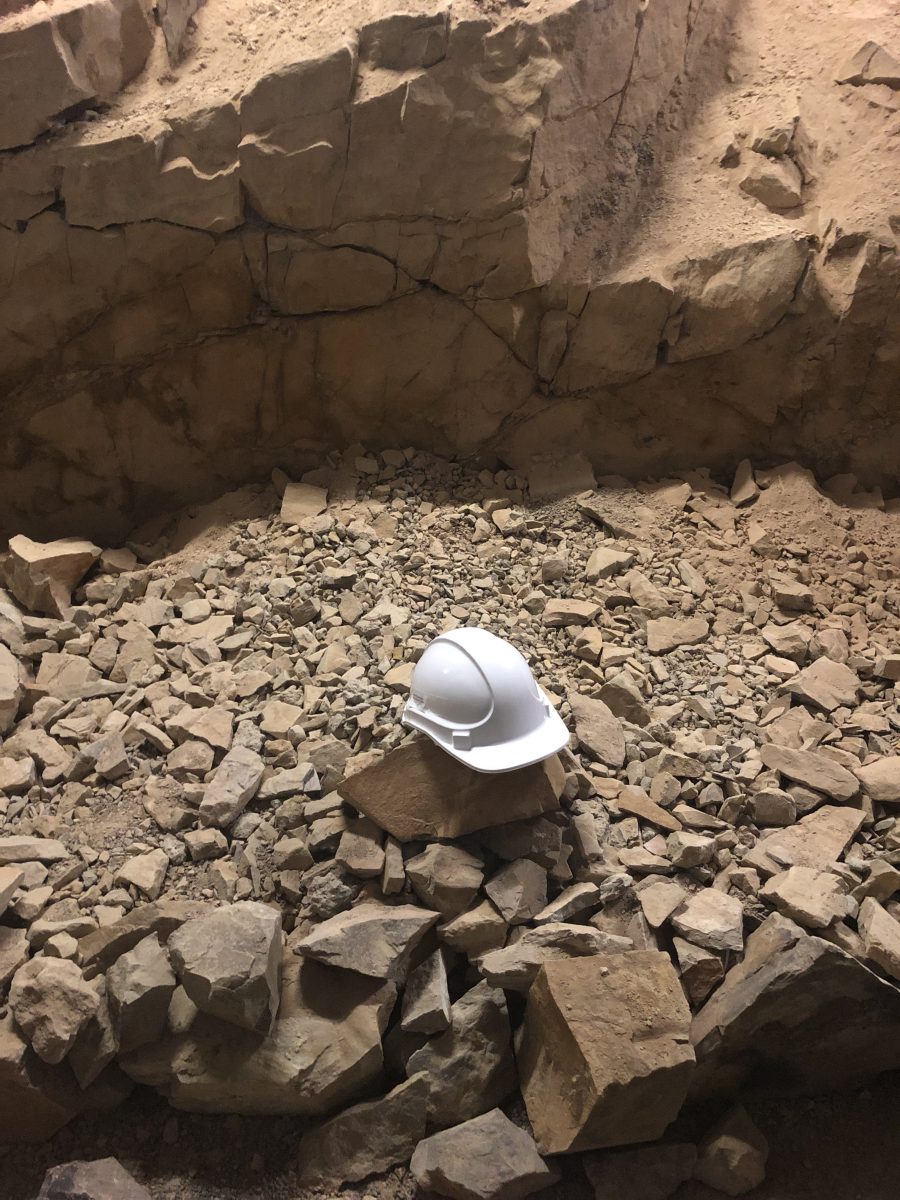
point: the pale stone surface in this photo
(301, 501)
(881, 779)
(881, 936)
(100, 1179)
(668, 633)
(373, 939)
(485, 1158)
(619, 1087)
(426, 998)
(51, 1003)
(146, 872)
(229, 964)
(812, 769)
(234, 785)
(519, 891)
(12, 690)
(445, 877)
(816, 840)
(597, 730)
(515, 967)
(712, 919)
(814, 899)
(42, 575)
(19, 849)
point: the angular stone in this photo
(519, 890)
(775, 182)
(817, 840)
(558, 614)
(700, 970)
(10, 880)
(302, 501)
(13, 952)
(12, 689)
(637, 803)
(324, 1050)
(732, 1156)
(881, 779)
(360, 849)
(418, 792)
(814, 899)
(668, 633)
(712, 919)
(646, 1173)
(812, 769)
(51, 1003)
(686, 850)
(605, 562)
(146, 872)
(789, 641)
(515, 967)
(605, 1058)
(365, 1139)
(372, 939)
(476, 931)
(445, 877)
(97, 951)
(17, 849)
(599, 733)
(96, 1045)
(214, 725)
(35, 1099)
(233, 786)
(42, 575)
(660, 899)
(881, 936)
(485, 1158)
(796, 1011)
(101, 1179)
(571, 902)
(470, 1067)
(140, 984)
(426, 998)
(299, 780)
(623, 698)
(229, 964)
(164, 801)
(825, 685)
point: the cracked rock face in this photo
(235, 281)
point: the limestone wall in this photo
(431, 232)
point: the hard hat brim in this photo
(531, 748)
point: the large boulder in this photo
(418, 791)
(324, 1050)
(229, 963)
(797, 1014)
(605, 1057)
(42, 575)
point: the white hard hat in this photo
(475, 696)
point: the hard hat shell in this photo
(475, 696)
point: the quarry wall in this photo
(575, 223)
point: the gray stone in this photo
(234, 785)
(52, 1003)
(372, 939)
(229, 963)
(598, 731)
(445, 877)
(732, 1156)
(519, 890)
(485, 1158)
(426, 998)
(712, 919)
(140, 985)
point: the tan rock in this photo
(881, 936)
(814, 899)
(20, 848)
(597, 730)
(637, 803)
(146, 872)
(140, 984)
(881, 779)
(515, 967)
(777, 183)
(42, 575)
(324, 1049)
(302, 501)
(813, 769)
(372, 939)
(626, 1073)
(701, 970)
(233, 786)
(98, 950)
(12, 689)
(418, 792)
(817, 840)
(668, 633)
(712, 919)
(51, 1003)
(559, 613)
(732, 1156)
(446, 878)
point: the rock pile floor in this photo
(228, 872)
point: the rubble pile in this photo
(229, 873)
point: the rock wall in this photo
(441, 229)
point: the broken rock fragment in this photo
(812, 769)
(445, 877)
(814, 899)
(367, 1138)
(486, 1158)
(42, 575)
(712, 919)
(233, 787)
(881, 936)
(140, 985)
(372, 939)
(469, 1067)
(668, 633)
(12, 690)
(732, 1157)
(881, 779)
(519, 890)
(418, 791)
(51, 1003)
(229, 963)
(101, 1179)
(598, 732)
(426, 998)
(515, 967)
(605, 1057)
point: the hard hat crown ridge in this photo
(474, 695)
